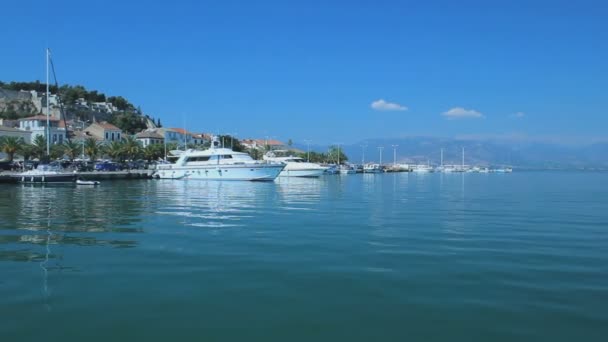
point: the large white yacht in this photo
(218, 163)
(294, 166)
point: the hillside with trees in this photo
(78, 104)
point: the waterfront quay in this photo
(13, 177)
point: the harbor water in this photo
(372, 257)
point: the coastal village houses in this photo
(149, 137)
(104, 131)
(178, 136)
(15, 132)
(37, 126)
(260, 144)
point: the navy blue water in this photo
(393, 257)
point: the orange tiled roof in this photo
(179, 130)
(269, 142)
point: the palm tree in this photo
(71, 149)
(132, 148)
(115, 150)
(153, 152)
(56, 151)
(39, 147)
(92, 148)
(27, 151)
(10, 146)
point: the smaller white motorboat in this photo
(86, 182)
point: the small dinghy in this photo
(86, 182)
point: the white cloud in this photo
(461, 113)
(382, 105)
(518, 115)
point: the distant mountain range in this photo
(482, 152)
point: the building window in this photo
(112, 136)
(107, 136)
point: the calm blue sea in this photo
(390, 257)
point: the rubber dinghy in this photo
(86, 182)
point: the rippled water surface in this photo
(393, 257)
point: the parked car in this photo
(83, 166)
(106, 166)
(6, 166)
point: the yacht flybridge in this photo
(218, 163)
(294, 166)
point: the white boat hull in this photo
(221, 172)
(48, 178)
(302, 173)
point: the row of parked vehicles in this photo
(81, 166)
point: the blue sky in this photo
(312, 69)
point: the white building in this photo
(15, 132)
(37, 126)
(104, 131)
(150, 137)
(178, 136)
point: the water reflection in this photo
(211, 204)
(297, 193)
(68, 215)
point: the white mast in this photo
(395, 155)
(380, 148)
(307, 150)
(363, 154)
(463, 158)
(338, 154)
(48, 127)
(442, 158)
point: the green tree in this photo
(315, 157)
(255, 153)
(72, 149)
(92, 148)
(120, 102)
(132, 148)
(27, 151)
(10, 146)
(56, 151)
(39, 147)
(232, 142)
(116, 151)
(153, 152)
(129, 122)
(336, 155)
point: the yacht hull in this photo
(302, 173)
(221, 172)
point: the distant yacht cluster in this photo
(416, 168)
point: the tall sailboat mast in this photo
(442, 157)
(48, 121)
(463, 158)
